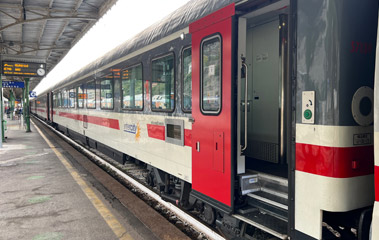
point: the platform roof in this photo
(43, 31)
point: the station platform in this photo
(43, 195)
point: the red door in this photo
(212, 91)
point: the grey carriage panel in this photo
(328, 61)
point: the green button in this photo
(307, 114)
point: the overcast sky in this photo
(124, 20)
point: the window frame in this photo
(143, 89)
(94, 81)
(205, 39)
(103, 78)
(171, 53)
(182, 79)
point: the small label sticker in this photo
(258, 58)
(264, 57)
(252, 180)
(211, 70)
(362, 139)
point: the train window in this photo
(54, 100)
(58, 99)
(163, 84)
(211, 75)
(132, 88)
(106, 92)
(187, 80)
(61, 99)
(80, 96)
(71, 100)
(91, 94)
(65, 98)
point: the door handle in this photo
(198, 146)
(244, 66)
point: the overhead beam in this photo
(18, 22)
(42, 30)
(59, 36)
(49, 9)
(34, 45)
(23, 58)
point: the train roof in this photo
(177, 20)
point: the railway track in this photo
(133, 176)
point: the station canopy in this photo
(43, 31)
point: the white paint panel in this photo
(174, 159)
(332, 136)
(314, 194)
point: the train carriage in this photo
(374, 231)
(258, 113)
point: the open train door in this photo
(212, 109)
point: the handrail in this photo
(243, 148)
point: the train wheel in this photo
(209, 214)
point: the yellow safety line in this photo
(109, 218)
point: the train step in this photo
(265, 222)
(269, 195)
(269, 204)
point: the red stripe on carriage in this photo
(71, 115)
(338, 162)
(158, 132)
(188, 137)
(105, 122)
(377, 183)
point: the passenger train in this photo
(258, 113)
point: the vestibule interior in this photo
(264, 65)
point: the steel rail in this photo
(178, 212)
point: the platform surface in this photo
(42, 199)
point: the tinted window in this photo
(59, 99)
(211, 75)
(71, 96)
(91, 94)
(187, 80)
(81, 96)
(132, 88)
(163, 84)
(54, 100)
(106, 92)
(65, 99)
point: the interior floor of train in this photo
(279, 170)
